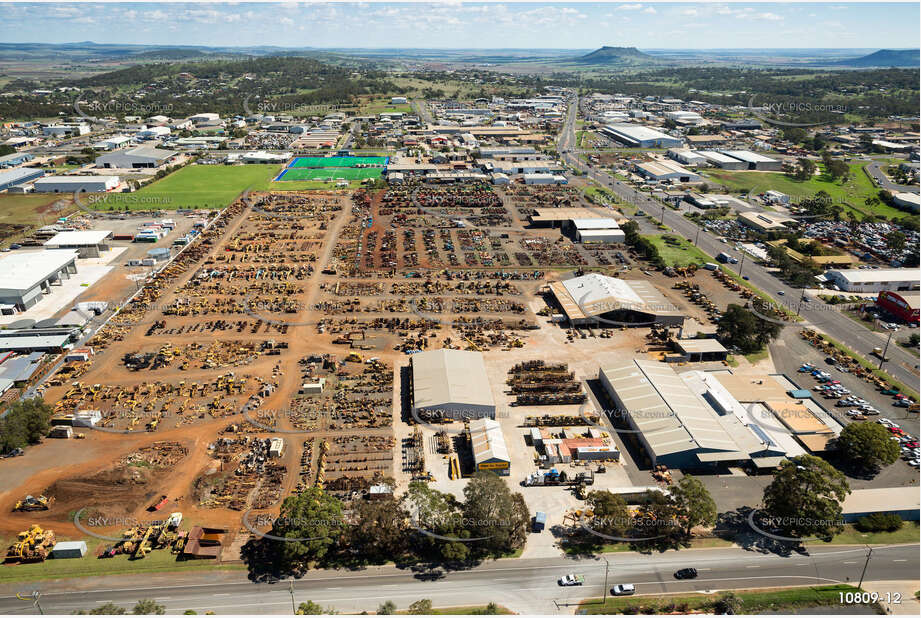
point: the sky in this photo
(455, 24)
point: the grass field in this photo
(850, 194)
(157, 561)
(468, 609)
(205, 186)
(348, 173)
(31, 211)
(336, 161)
(753, 601)
(909, 533)
(680, 253)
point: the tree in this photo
(148, 606)
(695, 505)
(309, 609)
(657, 516)
(794, 134)
(494, 512)
(422, 606)
(913, 340)
(837, 168)
(312, 521)
(437, 517)
(106, 609)
(728, 603)
(880, 522)
(381, 531)
(190, 612)
(610, 514)
(6, 149)
(896, 241)
(25, 423)
(805, 497)
(804, 169)
(741, 328)
(387, 608)
(868, 445)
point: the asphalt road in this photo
(884, 183)
(527, 586)
(902, 365)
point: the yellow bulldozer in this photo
(33, 503)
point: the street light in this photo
(291, 590)
(865, 565)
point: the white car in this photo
(622, 590)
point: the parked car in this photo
(622, 590)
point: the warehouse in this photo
(136, 158)
(862, 502)
(15, 159)
(557, 217)
(687, 421)
(488, 446)
(597, 299)
(637, 136)
(15, 177)
(902, 306)
(687, 157)
(68, 549)
(662, 171)
(451, 384)
(25, 277)
(544, 179)
(76, 184)
(891, 279)
(112, 143)
(90, 243)
(684, 118)
(700, 350)
(912, 201)
(597, 230)
(722, 161)
(765, 221)
(755, 161)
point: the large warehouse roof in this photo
(638, 132)
(25, 269)
(450, 376)
(880, 274)
(74, 239)
(594, 294)
(749, 156)
(672, 418)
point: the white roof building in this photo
(875, 280)
(25, 276)
(72, 184)
(488, 444)
(586, 298)
(451, 384)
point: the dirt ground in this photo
(278, 293)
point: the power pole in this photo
(606, 566)
(742, 263)
(865, 565)
(882, 359)
(34, 596)
(291, 590)
(802, 296)
(697, 235)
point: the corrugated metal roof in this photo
(487, 441)
(450, 377)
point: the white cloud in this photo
(629, 7)
(649, 10)
(286, 21)
(689, 12)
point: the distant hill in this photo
(885, 58)
(617, 55)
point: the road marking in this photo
(752, 567)
(900, 560)
(221, 594)
(802, 564)
(851, 562)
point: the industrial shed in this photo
(593, 298)
(755, 161)
(488, 446)
(598, 230)
(69, 549)
(700, 350)
(638, 136)
(76, 184)
(686, 421)
(898, 500)
(26, 276)
(87, 244)
(451, 384)
(134, 158)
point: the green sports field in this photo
(336, 161)
(348, 173)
